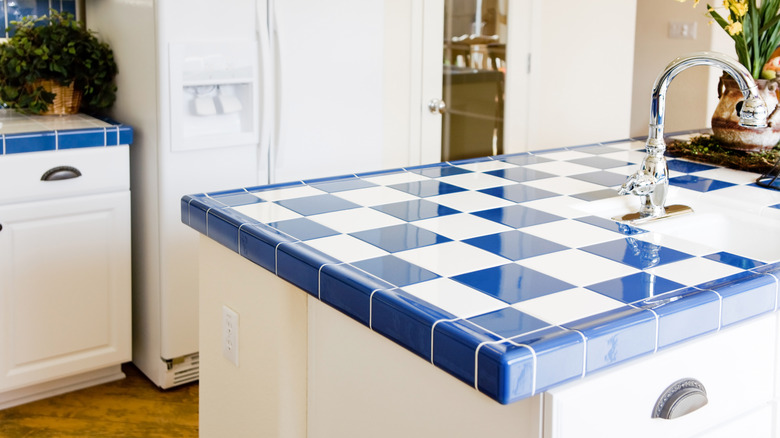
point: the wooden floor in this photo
(131, 407)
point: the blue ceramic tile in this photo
(317, 204)
(744, 295)
(301, 265)
(343, 184)
(734, 260)
(600, 162)
(349, 290)
(512, 283)
(699, 184)
(635, 287)
(440, 171)
(596, 195)
(687, 166)
(379, 173)
(221, 228)
(506, 371)
(236, 199)
(406, 319)
(684, 314)
(517, 216)
(196, 213)
(259, 190)
(470, 161)
(601, 177)
(455, 345)
(68, 6)
(777, 206)
(30, 142)
(257, 246)
(518, 193)
(559, 356)
(611, 225)
(400, 237)
(415, 210)
(125, 135)
(395, 271)
(303, 229)
(508, 322)
(636, 253)
(427, 188)
(520, 174)
(525, 159)
(615, 336)
(79, 139)
(515, 245)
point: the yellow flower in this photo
(738, 7)
(734, 28)
(695, 2)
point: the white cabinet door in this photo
(64, 287)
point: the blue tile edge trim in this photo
(18, 143)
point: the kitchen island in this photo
(359, 301)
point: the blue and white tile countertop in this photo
(28, 133)
(492, 269)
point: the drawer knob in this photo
(60, 172)
(680, 398)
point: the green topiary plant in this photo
(60, 49)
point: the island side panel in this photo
(362, 384)
(265, 395)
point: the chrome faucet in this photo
(651, 181)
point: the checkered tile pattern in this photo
(505, 271)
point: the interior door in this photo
(483, 69)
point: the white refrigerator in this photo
(240, 93)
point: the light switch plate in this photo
(230, 334)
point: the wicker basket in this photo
(66, 99)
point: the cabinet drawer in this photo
(735, 365)
(101, 170)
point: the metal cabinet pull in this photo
(60, 173)
(680, 398)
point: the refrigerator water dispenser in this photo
(214, 95)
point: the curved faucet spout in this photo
(651, 181)
(753, 113)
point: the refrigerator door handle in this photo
(277, 87)
(268, 113)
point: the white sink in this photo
(729, 228)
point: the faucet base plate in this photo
(637, 219)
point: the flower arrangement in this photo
(754, 25)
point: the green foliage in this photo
(59, 48)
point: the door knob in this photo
(680, 398)
(437, 106)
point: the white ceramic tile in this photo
(625, 170)
(266, 212)
(371, 196)
(565, 185)
(462, 226)
(574, 234)
(564, 155)
(627, 145)
(486, 166)
(728, 175)
(476, 181)
(569, 305)
(562, 168)
(355, 219)
(632, 156)
(470, 201)
(451, 258)
(693, 271)
(453, 297)
(346, 248)
(288, 193)
(563, 206)
(577, 267)
(396, 178)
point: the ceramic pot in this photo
(725, 121)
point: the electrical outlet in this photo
(685, 30)
(230, 334)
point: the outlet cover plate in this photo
(230, 334)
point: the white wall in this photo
(692, 96)
(581, 72)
